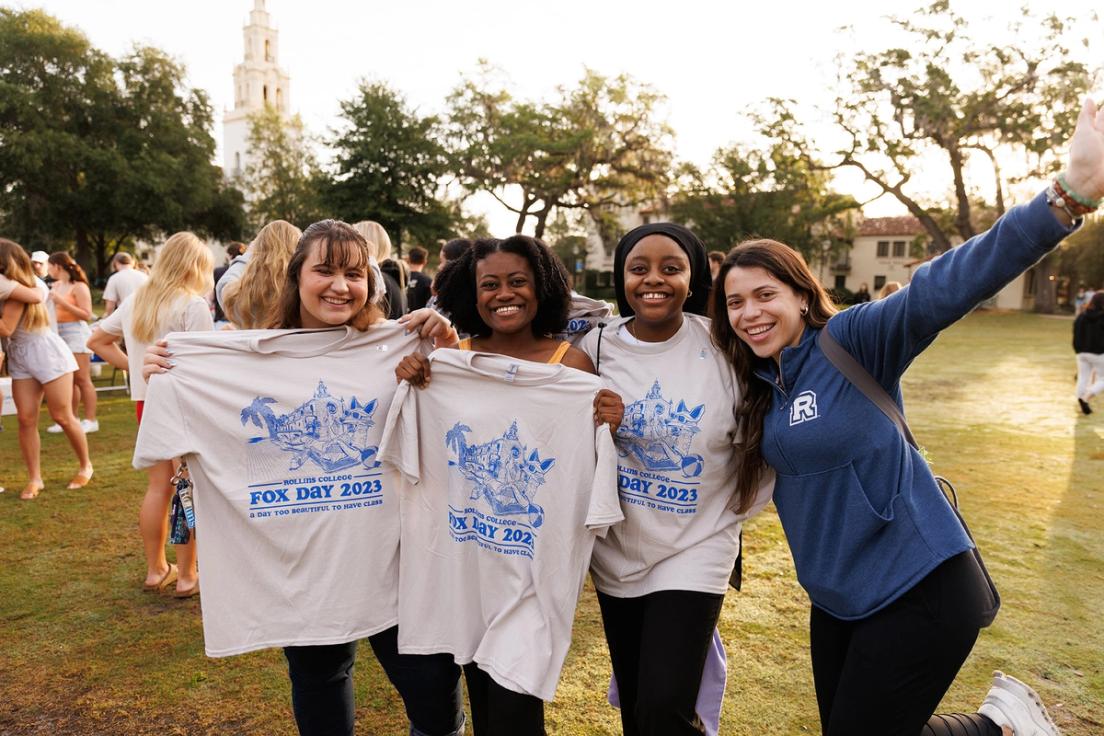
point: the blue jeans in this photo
(322, 687)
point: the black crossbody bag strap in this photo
(861, 379)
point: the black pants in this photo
(497, 711)
(322, 687)
(886, 674)
(658, 645)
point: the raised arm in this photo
(885, 336)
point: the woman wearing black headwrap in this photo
(661, 575)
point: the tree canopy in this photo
(96, 151)
(596, 147)
(389, 167)
(944, 95)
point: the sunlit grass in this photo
(84, 651)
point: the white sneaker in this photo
(1012, 703)
(90, 425)
(54, 429)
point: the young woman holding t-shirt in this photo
(661, 575)
(510, 295)
(897, 597)
(328, 284)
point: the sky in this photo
(713, 60)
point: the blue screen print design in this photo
(501, 478)
(321, 437)
(658, 435)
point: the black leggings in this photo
(658, 645)
(497, 711)
(885, 674)
(322, 687)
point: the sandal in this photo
(31, 490)
(80, 480)
(187, 592)
(168, 579)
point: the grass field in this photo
(84, 651)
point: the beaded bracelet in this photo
(1059, 197)
(1070, 194)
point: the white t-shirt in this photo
(122, 284)
(508, 483)
(677, 463)
(584, 315)
(298, 525)
(186, 315)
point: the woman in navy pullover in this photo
(897, 599)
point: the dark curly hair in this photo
(456, 285)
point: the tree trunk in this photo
(1046, 286)
(962, 219)
(84, 255)
(542, 220)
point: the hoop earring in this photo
(804, 309)
(689, 294)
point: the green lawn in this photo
(84, 651)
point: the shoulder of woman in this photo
(576, 358)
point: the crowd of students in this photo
(440, 484)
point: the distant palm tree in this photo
(259, 413)
(455, 440)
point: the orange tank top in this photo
(63, 312)
(557, 356)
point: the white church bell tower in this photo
(259, 82)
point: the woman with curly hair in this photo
(510, 296)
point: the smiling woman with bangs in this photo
(329, 283)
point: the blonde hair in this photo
(16, 265)
(250, 302)
(379, 242)
(183, 269)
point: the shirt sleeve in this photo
(233, 273)
(7, 286)
(399, 446)
(887, 335)
(163, 433)
(111, 291)
(605, 506)
(112, 324)
(197, 316)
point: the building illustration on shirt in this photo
(659, 434)
(326, 430)
(502, 472)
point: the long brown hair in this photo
(341, 247)
(16, 265)
(65, 262)
(785, 264)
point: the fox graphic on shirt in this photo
(502, 472)
(659, 434)
(324, 429)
